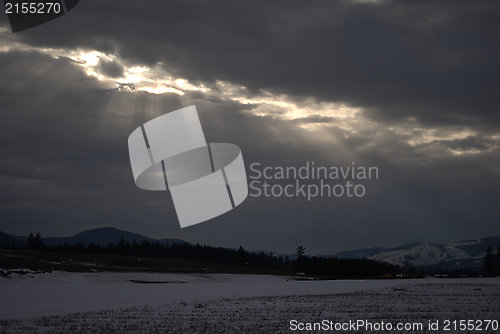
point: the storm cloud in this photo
(408, 86)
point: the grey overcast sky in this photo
(412, 87)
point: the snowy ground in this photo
(169, 303)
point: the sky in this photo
(412, 87)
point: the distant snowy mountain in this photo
(453, 255)
(359, 253)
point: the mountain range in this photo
(463, 254)
(100, 236)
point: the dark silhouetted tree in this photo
(31, 241)
(34, 241)
(38, 241)
(300, 251)
(489, 262)
(300, 262)
(122, 247)
(497, 260)
(241, 256)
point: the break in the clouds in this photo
(411, 87)
(433, 60)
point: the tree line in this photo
(491, 262)
(298, 264)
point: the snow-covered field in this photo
(181, 303)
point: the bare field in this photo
(406, 301)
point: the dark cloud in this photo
(110, 68)
(315, 119)
(65, 168)
(436, 61)
(65, 165)
(469, 143)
